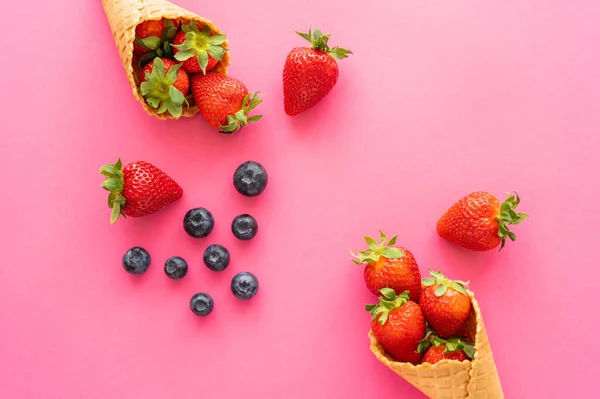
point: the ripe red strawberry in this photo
(139, 189)
(479, 222)
(198, 48)
(224, 101)
(437, 349)
(153, 37)
(164, 86)
(398, 325)
(445, 304)
(390, 266)
(309, 74)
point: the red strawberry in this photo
(479, 222)
(390, 266)
(145, 30)
(437, 349)
(445, 304)
(224, 101)
(153, 37)
(139, 189)
(199, 50)
(398, 325)
(309, 74)
(164, 86)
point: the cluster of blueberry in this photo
(250, 179)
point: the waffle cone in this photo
(451, 379)
(123, 17)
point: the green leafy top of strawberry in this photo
(509, 216)
(201, 44)
(452, 344)
(318, 41)
(444, 283)
(158, 46)
(376, 249)
(159, 90)
(241, 119)
(114, 184)
(387, 302)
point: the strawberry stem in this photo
(509, 216)
(114, 184)
(452, 344)
(159, 90)
(387, 302)
(376, 249)
(201, 44)
(437, 278)
(318, 41)
(241, 119)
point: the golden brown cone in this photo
(451, 379)
(124, 15)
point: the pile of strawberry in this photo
(426, 320)
(415, 321)
(174, 55)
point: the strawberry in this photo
(224, 101)
(164, 86)
(437, 349)
(309, 74)
(139, 189)
(199, 50)
(479, 222)
(398, 325)
(152, 39)
(445, 304)
(389, 266)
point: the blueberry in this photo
(244, 227)
(136, 260)
(202, 304)
(250, 179)
(176, 267)
(244, 286)
(198, 222)
(216, 258)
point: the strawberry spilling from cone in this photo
(165, 52)
(429, 331)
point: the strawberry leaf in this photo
(428, 281)
(387, 302)
(371, 243)
(114, 184)
(377, 249)
(508, 216)
(392, 240)
(241, 119)
(200, 43)
(159, 90)
(441, 290)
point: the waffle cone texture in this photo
(123, 17)
(451, 379)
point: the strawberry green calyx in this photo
(318, 41)
(444, 283)
(200, 43)
(241, 119)
(159, 90)
(508, 216)
(452, 344)
(376, 249)
(387, 302)
(114, 184)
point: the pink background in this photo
(440, 99)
